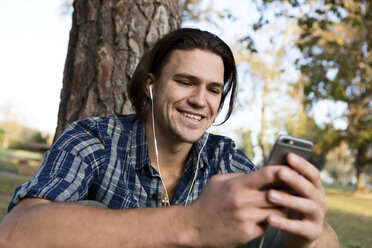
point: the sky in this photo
(33, 47)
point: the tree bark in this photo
(107, 39)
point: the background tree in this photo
(339, 67)
(271, 81)
(107, 39)
(336, 64)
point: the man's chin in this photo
(192, 138)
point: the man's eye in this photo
(183, 82)
(215, 91)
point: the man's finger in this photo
(305, 168)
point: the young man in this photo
(163, 156)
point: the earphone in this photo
(157, 153)
(155, 144)
(196, 170)
(151, 96)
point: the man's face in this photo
(187, 95)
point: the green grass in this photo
(20, 153)
(351, 217)
(353, 230)
(8, 184)
(9, 164)
(349, 202)
(7, 187)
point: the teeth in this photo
(196, 117)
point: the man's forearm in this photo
(328, 238)
(76, 225)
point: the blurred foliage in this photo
(203, 11)
(335, 42)
(324, 139)
(16, 136)
(246, 144)
(340, 164)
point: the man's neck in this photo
(172, 157)
(171, 154)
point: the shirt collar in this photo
(198, 149)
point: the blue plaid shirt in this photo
(106, 159)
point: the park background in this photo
(286, 51)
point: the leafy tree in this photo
(38, 137)
(324, 139)
(336, 64)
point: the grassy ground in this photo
(8, 183)
(7, 187)
(8, 162)
(349, 214)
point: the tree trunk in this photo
(262, 140)
(360, 165)
(360, 177)
(107, 39)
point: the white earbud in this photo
(150, 89)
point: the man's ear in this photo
(150, 81)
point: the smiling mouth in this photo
(192, 116)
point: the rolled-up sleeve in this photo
(68, 168)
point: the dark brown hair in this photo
(181, 39)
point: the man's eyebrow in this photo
(185, 75)
(192, 77)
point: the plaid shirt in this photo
(106, 159)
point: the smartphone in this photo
(285, 144)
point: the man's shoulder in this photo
(225, 148)
(102, 128)
(127, 120)
(220, 142)
(109, 123)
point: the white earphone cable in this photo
(196, 170)
(156, 147)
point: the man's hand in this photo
(232, 209)
(304, 225)
(236, 208)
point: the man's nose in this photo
(198, 97)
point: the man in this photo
(162, 156)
